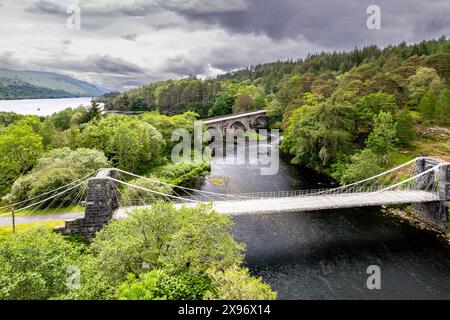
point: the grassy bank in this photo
(6, 231)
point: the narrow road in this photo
(7, 221)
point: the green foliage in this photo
(180, 172)
(363, 164)
(57, 168)
(371, 105)
(405, 127)
(167, 125)
(62, 119)
(134, 196)
(162, 285)
(128, 142)
(236, 283)
(223, 104)
(33, 265)
(7, 118)
(20, 147)
(442, 112)
(92, 112)
(384, 135)
(427, 105)
(163, 237)
(424, 80)
(158, 253)
(316, 134)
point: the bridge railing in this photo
(282, 194)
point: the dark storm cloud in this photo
(108, 64)
(330, 23)
(183, 66)
(46, 7)
(129, 36)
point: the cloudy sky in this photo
(123, 44)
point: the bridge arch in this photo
(237, 125)
(260, 122)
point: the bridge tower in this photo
(437, 212)
(101, 202)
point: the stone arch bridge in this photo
(240, 121)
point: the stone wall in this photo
(435, 213)
(101, 202)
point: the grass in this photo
(6, 231)
(44, 211)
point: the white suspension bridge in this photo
(422, 180)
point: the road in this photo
(7, 221)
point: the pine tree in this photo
(427, 105)
(405, 127)
(93, 111)
(442, 112)
(381, 140)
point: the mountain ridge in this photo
(28, 84)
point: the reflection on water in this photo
(325, 254)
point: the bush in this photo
(128, 142)
(160, 284)
(33, 265)
(237, 284)
(57, 168)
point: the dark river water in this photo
(325, 254)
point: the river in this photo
(325, 254)
(42, 107)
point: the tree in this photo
(243, 103)
(383, 137)
(128, 142)
(33, 265)
(161, 284)
(442, 113)
(162, 237)
(275, 112)
(20, 147)
(317, 133)
(423, 80)
(427, 105)
(236, 283)
(93, 111)
(62, 119)
(55, 169)
(223, 104)
(363, 164)
(405, 127)
(372, 104)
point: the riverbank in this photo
(407, 216)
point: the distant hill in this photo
(16, 84)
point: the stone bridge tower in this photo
(435, 213)
(101, 202)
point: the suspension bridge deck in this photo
(309, 202)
